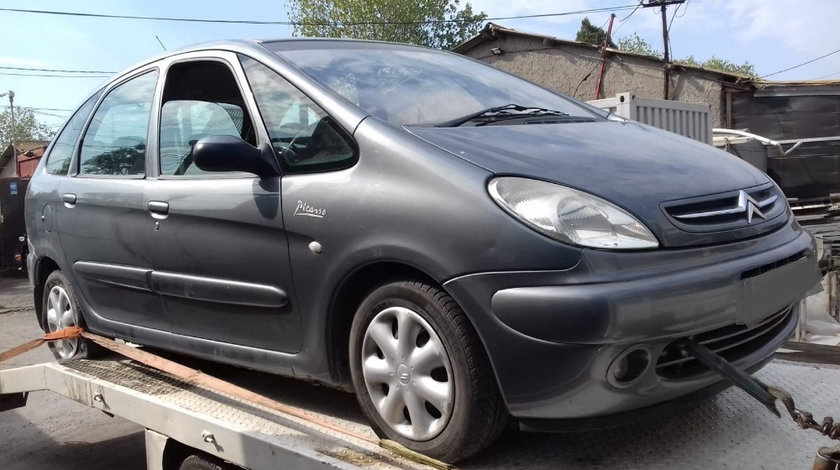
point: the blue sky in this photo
(771, 34)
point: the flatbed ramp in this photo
(731, 431)
(229, 428)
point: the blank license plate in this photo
(767, 293)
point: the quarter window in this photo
(303, 136)
(115, 141)
(58, 161)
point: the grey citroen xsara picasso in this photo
(455, 244)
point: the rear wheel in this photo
(61, 310)
(421, 374)
(200, 462)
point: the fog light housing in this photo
(629, 366)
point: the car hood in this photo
(632, 165)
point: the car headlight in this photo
(569, 215)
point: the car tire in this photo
(200, 462)
(434, 392)
(62, 310)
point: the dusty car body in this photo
(453, 243)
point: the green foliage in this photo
(26, 127)
(592, 34)
(722, 64)
(435, 23)
(638, 45)
(120, 161)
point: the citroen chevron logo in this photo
(746, 204)
(750, 206)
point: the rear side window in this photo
(303, 136)
(58, 162)
(115, 141)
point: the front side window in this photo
(304, 137)
(200, 98)
(58, 161)
(115, 141)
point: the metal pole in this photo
(604, 58)
(667, 56)
(12, 136)
(662, 4)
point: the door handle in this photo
(69, 199)
(158, 207)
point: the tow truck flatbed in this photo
(729, 431)
(198, 418)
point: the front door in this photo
(216, 240)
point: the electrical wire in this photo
(14, 74)
(621, 23)
(826, 76)
(800, 65)
(294, 23)
(40, 109)
(34, 69)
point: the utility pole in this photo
(598, 84)
(11, 95)
(663, 4)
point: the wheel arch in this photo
(43, 268)
(350, 293)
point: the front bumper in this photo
(554, 337)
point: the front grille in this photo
(774, 265)
(732, 342)
(726, 211)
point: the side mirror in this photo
(228, 153)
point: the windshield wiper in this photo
(500, 113)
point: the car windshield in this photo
(407, 85)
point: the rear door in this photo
(100, 214)
(218, 250)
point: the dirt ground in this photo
(51, 431)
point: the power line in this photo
(800, 65)
(826, 76)
(14, 74)
(294, 23)
(42, 109)
(622, 22)
(34, 69)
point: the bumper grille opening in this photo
(732, 342)
(771, 266)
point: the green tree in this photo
(592, 34)
(638, 45)
(723, 65)
(26, 127)
(435, 23)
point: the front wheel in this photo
(421, 374)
